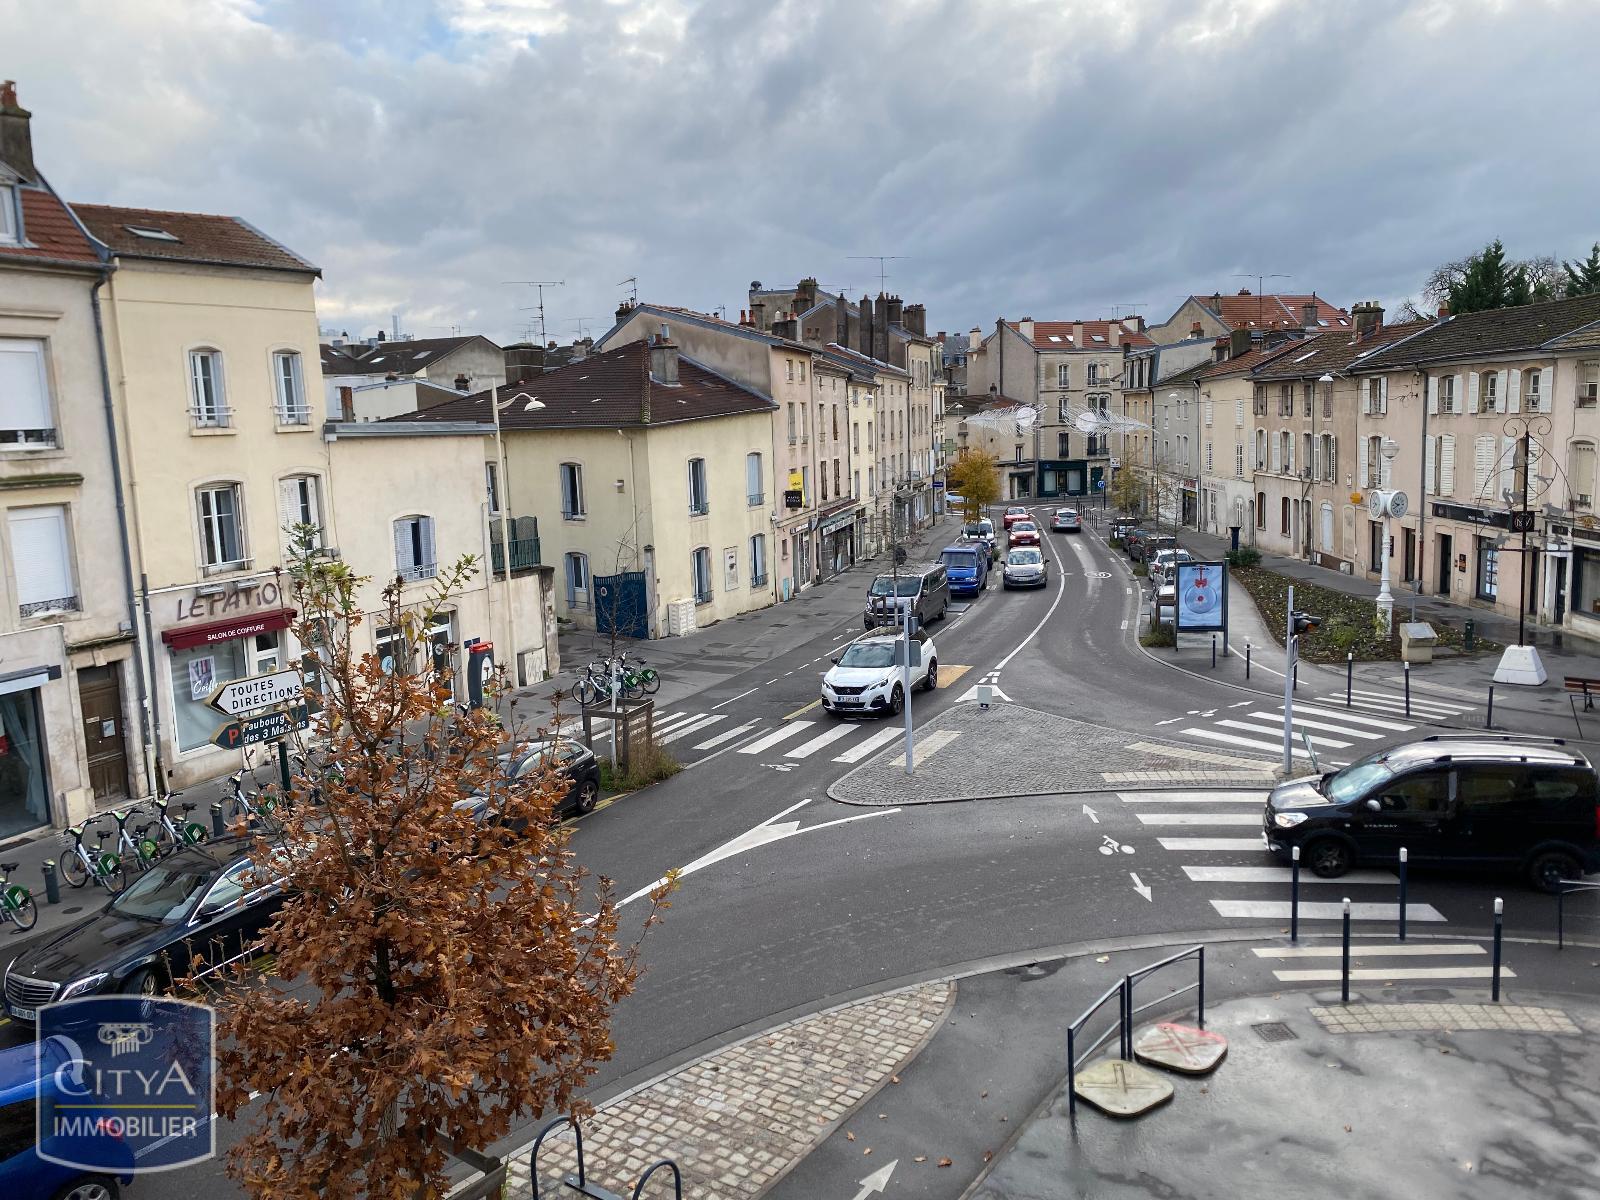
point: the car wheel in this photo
(583, 801)
(142, 982)
(1328, 858)
(91, 1187)
(1551, 869)
(933, 675)
(897, 702)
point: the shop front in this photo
(1069, 477)
(1475, 565)
(214, 635)
(1581, 594)
(837, 534)
(24, 752)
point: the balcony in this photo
(59, 604)
(759, 580)
(294, 416)
(218, 417)
(756, 499)
(417, 572)
(524, 545)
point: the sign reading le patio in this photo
(259, 691)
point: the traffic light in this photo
(1304, 621)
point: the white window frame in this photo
(31, 436)
(10, 214)
(294, 407)
(1063, 375)
(308, 495)
(757, 497)
(574, 564)
(758, 560)
(422, 560)
(699, 489)
(211, 529)
(491, 485)
(569, 476)
(208, 397)
(700, 571)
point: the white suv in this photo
(865, 679)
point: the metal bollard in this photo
(1294, 682)
(1247, 660)
(52, 882)
(218, 826)
(1213, 652)
(1488, 719)
(1407, 667)
(1294, 894)
(1349, 674)
(1404, 855)
(1344, 969)
(1499, 921)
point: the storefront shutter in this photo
(40, 555)
(24, 395)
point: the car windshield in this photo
(1024, 527)
(163, 893)
(977, 531)
(1024, 558)
(961, 558)
(1355, 780)
(1065, 512)
(884, 585)
(874, 654)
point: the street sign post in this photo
(259, 691)
(263, 727)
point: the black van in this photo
(1530, 805)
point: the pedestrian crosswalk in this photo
(693, 734)
(1473, 964)
(1325, 725)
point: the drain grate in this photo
(1275, 1031)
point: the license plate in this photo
(24, 1014)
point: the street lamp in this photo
(1388, 448)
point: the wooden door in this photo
(100, 700)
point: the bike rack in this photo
(1569, 886)
(677, 1179)
(579, 1182)
(1119, 990)
(1198, 986)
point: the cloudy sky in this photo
(1057, 160)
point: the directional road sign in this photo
(263, 727)
(259, 691)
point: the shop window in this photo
(199, 671)
(1488, 569)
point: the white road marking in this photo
(1201, 819)
(1424, 701)
(1323, 910)
(694, 726)
(1139, 886)
(1231, 845)
(1343, 714)
(867, 745)
(671, 721)
(731, 699)
(972, 692)
(776, 736)
(1212, 735)
(1368, 950)
(1239, 797)
(1269, 730)
(1398, 973)
(727, 735)
(807, 749)
(1328, 725)
(1061, 591)
(926, 747)
(1282, 875)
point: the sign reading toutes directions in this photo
(259, 691)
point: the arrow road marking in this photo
(877, 1181)
(972, 693)
(1089, 812)
(1138, 886)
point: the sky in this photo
(1068, 159)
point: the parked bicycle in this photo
(259, 809)
(171, 832)
(136, 848)
(632, 677)
(15, 900)
(80, 864)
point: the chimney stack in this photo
(16, 134)
(880, 329)
(623, 310)
(806, 295)
(896, 311)
(1196, 329)
(758, 314)
(841, 321)
(916, 319)
(463, 384)
(1368, 316)
(664, 359)
(1025, 328)
(867, 327)
(1308, 315)
(1238, 343)
(347, 404)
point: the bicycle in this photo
(79, 866)
(643, 676)
(184, 831)
(141, 849)
(251, 810)
(594, 685)
(15, 900)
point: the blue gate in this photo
(619, 605)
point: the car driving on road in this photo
(1014, 514)
(966, 567)
(982, 530)
(865, 680)
(1025, 567)
(1023, 533)
(1066, 520)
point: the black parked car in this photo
(208, 902)
(574, 763)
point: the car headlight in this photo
(78, 986)
(1287, 820)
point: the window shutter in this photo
(39, 554)
(1514, 391)
(1482, 465)
(288, 512)
(24, 394)
(1366, 397)
(1361, 462)
(1433, 393)
(1447, 464)
(1507, 473)
(402, 546)
(1277, 455)
(1238, 413)
(1461, 383)
(1316, 459)
(1429, 452)
(428, 555)
(1472, 391)
(1333, 459)
(1383, 395)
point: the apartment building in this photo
(381, 377)
(1258, 313)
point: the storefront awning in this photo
(209, 634)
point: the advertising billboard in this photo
(1202, 596)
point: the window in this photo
(1261, 510)
(1423, 794)
(1064, 375)
(41, 560)
(297, 507)
(758, 560)
(700, 569)
(1488, 569)
(1374, 461)
(571, 491)
(1580, 474)
(822, 479)
(1286, 399)
(855, 487)
(1327, 400)
(25, 411)
(871, 486)
(791, 425)
(1261, 451)
(1063, 444)
(1258, 402)
(1238, 461)
(1308, 395)
(1018, 452)
(1330, 457)
(1533, 385)
(699, 499)
(802, 368)
(788, 366)
(292, 406)
(1091, 376)
(413, 549)
(1489, 392)
(208, 398)
(577, 580)
(10, 226)
(755, 493)
(1285, 463)
(491, 486)
(1238, 413)
(1589, 383)
(1285, 517)
(836, 477)
(1447, 393)
(1207, 409)
(221, 529)
(1307, 449)
(1483, 468)
(833, 410)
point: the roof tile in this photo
(196, 237)
(50, 230)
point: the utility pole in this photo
(1290, 649)
(880, 259)
(541, 284)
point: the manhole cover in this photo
(1181, 1048)
(1122, 1089)
(1275, 1031)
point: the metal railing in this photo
(294, 416)
(579, 1180)
(220, 417)
(524, 554)
(1074, 1052)
(1572, 885)
(756, 499)
(417, 571)
(59, 604)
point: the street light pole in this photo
(1290, 648)
(1388, 448)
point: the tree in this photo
(442, 977)
(1127, 488)
(1489, 281)
(1405, 312)
(975, 477)
(1583, 278)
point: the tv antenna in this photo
(580, 322)
(1261, 279)
(632, 284)
(880, 259)
(1130, 307)
(541, 284)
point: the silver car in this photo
(1025, 567)
(1163, 565)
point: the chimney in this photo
(975, 338)
(623, 310)
(1444, 311)
(1137, 320)
(867, 327)
(1196, 330)
(786, 325)
(880, 328)
(1238, 343)
(1216, 303)
(841, 321)
(1077, 334)
(917, 319)
(347, 404)
(1025, 328)
(896, 312)
(16, 136)
(758, 314)
(1308, 315)
(664, 359)
(380, 335)
(463, 383)
(1368, 316)
(806, 295)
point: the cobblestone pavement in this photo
(1396, 1018)
(973, 756)
(739, 1119)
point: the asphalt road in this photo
(816, 901)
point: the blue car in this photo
(23, 1174)
(966, 565)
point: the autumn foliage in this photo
(436, 980)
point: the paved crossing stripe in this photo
(1282, 875)
(1323, 910)
(1231, 845)
(1201, 819)
(1301, 722)
(867, 745)
(1335, 709)
(1417, 701)
(675, 721)
(1192, 797)
(1278, 728)
(726, 736)
(1362, 950)
(927, 746)
(1231, 739)
(807, 749)
(782, 733)
(1393, 974)
(694, 727)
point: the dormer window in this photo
(150, 233)
(10, 224)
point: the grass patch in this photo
(1244, 556)
(1160, 636)
(650, 765)
(1140, 570)
(1349, 623)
